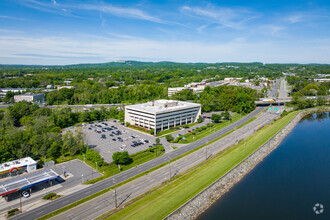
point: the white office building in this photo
(162, 114)
(30, 97)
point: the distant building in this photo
(30, 97)
(162, 114)
(172, 91)
(16, 167)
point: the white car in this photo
(121, 148)
(25, 194)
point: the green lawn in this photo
(162, 133)
(161, 202)
(138, 158)
(210, 130)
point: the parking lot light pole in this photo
(82, 178)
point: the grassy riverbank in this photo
(161, 202)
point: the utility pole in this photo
(20, 203)
(115, 191)
(169, 163)
(206, 150)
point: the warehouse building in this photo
(162, 114)
(30, 97)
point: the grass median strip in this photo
(161, 202)
(72, 205)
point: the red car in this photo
(189, 131)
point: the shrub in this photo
(94, 156)
(169, 137)
(12, 212)
(49, 195)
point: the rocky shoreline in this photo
(203, 200)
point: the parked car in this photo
(25, 194)
(89, 128)
(189, 131)
(114, 139)
(103, 136)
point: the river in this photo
(288, 183)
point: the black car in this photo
(111, 135)
(103, 136)
(146, 141)
(89, 128)
(114, 139)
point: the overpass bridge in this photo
(277, 102)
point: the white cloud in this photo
(64, 50)
(227, 17)
(121, 12)
(294, 19)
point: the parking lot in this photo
(108, 137)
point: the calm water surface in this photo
(288, 182)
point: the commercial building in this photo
(30, 97)
(16, 167)
(162, 114)
(26, 182)
(172, 91)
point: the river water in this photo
(288, 182)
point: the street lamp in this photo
(96, 166)
(82, 178)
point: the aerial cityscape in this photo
(164, 109)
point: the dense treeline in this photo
(89, 92)
(171, 74)
(27, 130)
(314, 91)
(228, 98)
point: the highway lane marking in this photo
(40, 212)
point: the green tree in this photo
(122, 158)
(157, 140)
(216, 118)
(200, 119)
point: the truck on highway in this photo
(269, 100)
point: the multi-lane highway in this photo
(63, 201)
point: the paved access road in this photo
(65, 200)
(283, 94)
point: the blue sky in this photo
(76, 31)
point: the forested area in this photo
(228, 98)
(27, 130)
